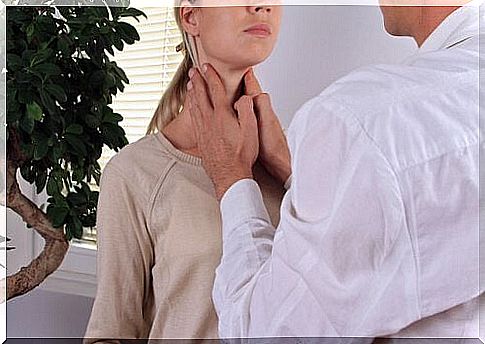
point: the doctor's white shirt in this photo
(379, 230)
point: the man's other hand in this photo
(273, 147)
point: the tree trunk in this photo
(55, 247)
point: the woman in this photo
(159, 230)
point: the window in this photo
(150, 65)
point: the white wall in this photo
(317, 45)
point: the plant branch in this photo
(55, 247)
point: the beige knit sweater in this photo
(159, 243)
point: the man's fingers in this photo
(247, 118)
(251, 83)
(197, 89)
(217, 91)
(195, 114)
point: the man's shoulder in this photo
(410, 112)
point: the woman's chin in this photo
(249, 61)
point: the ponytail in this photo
(174, 96)
(173, 99)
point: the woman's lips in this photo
(261, 30)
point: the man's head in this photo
(416, 18)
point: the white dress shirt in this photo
(379, 229)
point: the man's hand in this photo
(273, 147)
(228, 142)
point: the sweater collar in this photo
(178, 154)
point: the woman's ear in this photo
(189, 17)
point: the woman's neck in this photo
(180, 131)
(232, 81)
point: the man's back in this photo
(379, 230)
(423, 117)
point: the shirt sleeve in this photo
(124, 258)
(339, 264)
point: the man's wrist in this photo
(224, 182)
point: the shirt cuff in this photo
(242, 202)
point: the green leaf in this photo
(78, 228)
(27, 124)
(110, 81)
(40, 181)
(78, 174)
(110, 117)
(57, 215)
(14, 62)
(41, 56)
(128, 32)
(63, 46)
(76, 199)
(52, 186)
(34, 111)
(69, 235)
(133, 12)
(86, 189)
(118, 71)
(74, 227)
(48, 69)
(23, 78)
(117, 42)
(77, 144)
(40, 151)
(89, 220)
(97, 78)
(25, 96)
(92, 121)
(57, 151)
(30, 32)
(27, 173)
(57, 91)
(76, 129)
(48, 102)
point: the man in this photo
(379, 229)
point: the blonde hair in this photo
(174, 96)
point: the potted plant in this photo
(60, 84)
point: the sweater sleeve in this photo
(124, 261)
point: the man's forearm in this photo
(247, 244)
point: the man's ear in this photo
(189, 17)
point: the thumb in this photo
(262, 104)
(245, 110)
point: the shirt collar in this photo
(457, 27)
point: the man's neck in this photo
(428, 21)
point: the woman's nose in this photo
(259, 9)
